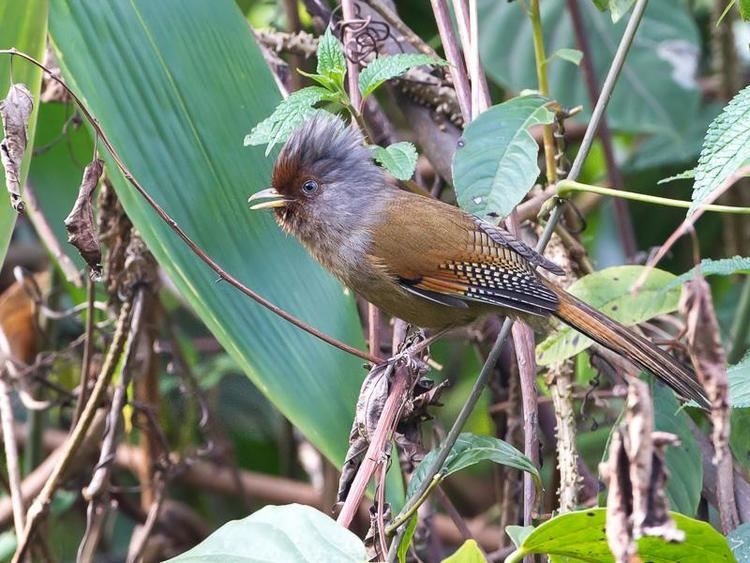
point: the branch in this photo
(198, 251)
(11, 456)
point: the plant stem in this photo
(450, 46)
(11, 456)
(566, 187)
(352, 68)
(541, 76)
(622, 213)
(40, 504)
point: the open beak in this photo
(274, 199)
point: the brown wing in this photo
(443, 254)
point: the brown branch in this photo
(11, 457)
(41, 503)
(198, 251)
(88, 350)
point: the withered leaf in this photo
(15, 111)
(82, 232)
(707, 356)
(636, 475)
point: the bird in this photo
(425, 261)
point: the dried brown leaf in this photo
(15, 111)
(635, 473)
(82, 232)
(708, 357)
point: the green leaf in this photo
(684, 175)
(288, 115)
(739, 384)
(518, 533)
(386, 67)
(403, 547)
(684, 462)
(470, 449)
(580, 536)
(496, 162)
(175, 91)
(571, 55)
(745, 10)
(657, 87)
(24, 26)
(609, 291)
(618, 8)
(469, 552)
(739, 542)
(400, 159)
(279, 533)
(710, 267)
(331, 59)
(726, 148)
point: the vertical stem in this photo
(352, 74)
(11, 457)
(541, 76)
(373, 329)
(450, 46)
(622, 212)
(88, 350)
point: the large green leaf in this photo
(684, 462)
(496, 161)
(579, 536)
(176, 85)
(23, 26)
(610, 291)
(657, 87)
(279, 533)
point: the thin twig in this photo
(48, 238)
(148, 526)
(541, 75)
(11, 456)
(40, 504)
(352, 67)
(397, 23)
(622, 212)
(88, 350)
(457, 68)
(199, 252)
(688, 223)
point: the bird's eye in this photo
(309, 187)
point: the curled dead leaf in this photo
(15, 111)
(82, 232)
(636, 475)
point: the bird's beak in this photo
(275, 199)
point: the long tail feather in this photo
(632, 346)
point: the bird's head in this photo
(323, 181)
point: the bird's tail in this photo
(625, 342)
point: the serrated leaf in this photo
(726, 148)
(580, 536)
(331, 59)
(684, 175)
(470, 449)
(609, 291)
(495, 164)
(400, 159)
(279, 533)
(571, 55)
(386, 67)
(684, 462)
(288, 115)
(710, 267)
(469, 552)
